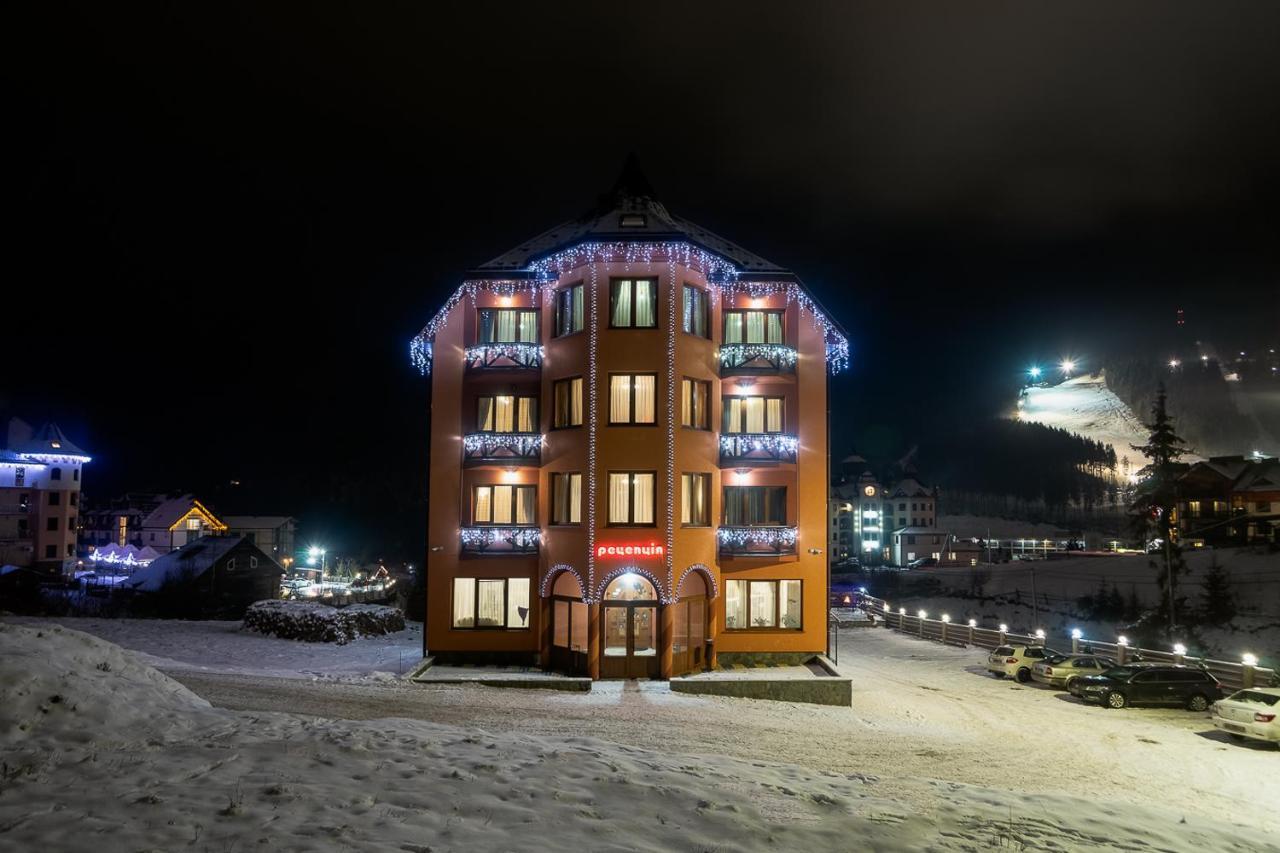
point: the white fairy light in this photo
(671, 430)
(521, 353)
(776, 445)
(519, 538)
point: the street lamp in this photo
(317, 553)
(1067, 366)
(1034, 373)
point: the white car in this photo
(1016, 661)
(1250, 713)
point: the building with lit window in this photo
(628, 461)
(39, 497)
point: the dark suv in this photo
(1151, 684)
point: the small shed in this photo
(214, 577)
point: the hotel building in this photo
(39, 497)
(628, 461)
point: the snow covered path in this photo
(102, 752)
(920, 710)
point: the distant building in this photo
(920, 543)
(1228, 500)
(39, 497)
(864, 514)
(161, 522)
(912, 505)
(274, 534)
(211, 577)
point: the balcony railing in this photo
(757, 358)
(743, 448)
(509, 448)
(756, 541)
(504, 356)
(500, 540)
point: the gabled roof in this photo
(630, 211)
(910, 488)
(173, 510)
(185, 564)
(1260, 477)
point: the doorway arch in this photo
(570, 617)
(629, 607)
(691, 620)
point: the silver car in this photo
(1063, 670)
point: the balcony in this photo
(750, 448)
(756, 359)
(502, 448)
(772, 541)
(500, 540)
(504, 356)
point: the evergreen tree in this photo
(1154, 500)
(1217, 600)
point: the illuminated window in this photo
(500, 603)
(695, 500)
(122, 531)
(631, 497)
(505, 413)
(697, 310)
(569, 310)
(504, 505)
(753, 414)
(566, 498)
(695, 399)
(633, 303)
(1193, 509)
(753, 327)
(632, 398)
(755, 506)
(567, 394)
(193, 523)
(508, 326)
(763, 604)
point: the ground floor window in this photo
(491, 603)
(762, 604)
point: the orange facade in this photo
(563, 530)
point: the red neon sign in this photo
(651, 550)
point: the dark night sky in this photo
(228, 222)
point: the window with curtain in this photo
(569, 311)
(755, 506)
(506, 413)
(491, 603)
(633, 303)
(753, 327)
(695, 500)
(567, 394)
(566, 498)
(753, 414)
(697, 311)
(763, 604)
(504, 505)
(633, 398)
(695, 400)
(508, 326)
(632, 497)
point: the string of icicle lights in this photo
(724, 277)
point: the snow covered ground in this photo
(1084, 405)
(222, 646)
(104, 753)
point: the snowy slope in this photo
(1085, 406)
(213, 779)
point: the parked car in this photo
(1151, 684)
(1250, 713)
(1016, 661)
(922, 563)
(1065, 670)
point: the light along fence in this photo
(1232, 675)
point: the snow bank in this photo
(320, 623)
(59, 686)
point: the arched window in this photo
(630, 587)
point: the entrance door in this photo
(688, 642)
(629, 638)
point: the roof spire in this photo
(631, 183)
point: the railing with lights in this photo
(509, 448)
(756, 541)
(500, 540)
(757, 358)
(504, 356)
(737, 448)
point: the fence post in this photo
(971, 626)
(1120, 653)
(1248, 670)
(920, 624)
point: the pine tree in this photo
(1217, 600)
(1154, 500)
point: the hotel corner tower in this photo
(628, 469)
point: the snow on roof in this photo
(188, 562)
(243, 522)
(910, 488)
(49, 440)
(173, 510)
(912, 531)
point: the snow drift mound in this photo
(71, 688)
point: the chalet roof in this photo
(185, 564)
(630, 211)
(1260, 477)
(49, 439)
(910, 488)
(170, 511)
